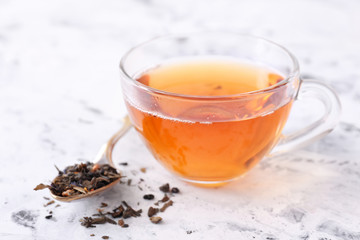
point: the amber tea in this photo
(210, 105)
(202, 140)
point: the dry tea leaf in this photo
(87, 222)
(79, 189)
(125, 213)
(103, 205)
(81, 179)
(148, 196)
(165, 188)
(152, 211)
(165, 198)
(109, 220)
(175, 190)
(117, 212)
(130, 212)
(90, 222)
(49, 203)
(120, 211)
(41, 186)
(143, 170)
(155, 220)
(122, 224)
(68, 193)
(166, 205)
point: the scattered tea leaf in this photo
(175, 190)
(103, 205)
(143, 170)
(90, 222)
(166, 205)
(41, 186)
(48, 216)
(122, 224)
(125, 204)
(165, 188)
(87, 222)
(99, 220)
(123, 163)
(129, 182)
(117, 212)
(148, 197)
(92, 235)
(105, 237)
(46, 198)
(155, 220)
(109, 220)
(152, 211)
(130, 212)
(165, 198)
(49, 203)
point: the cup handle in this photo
(312, 89)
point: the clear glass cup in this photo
(239, 129)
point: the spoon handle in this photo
(105, 154)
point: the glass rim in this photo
(294, 71)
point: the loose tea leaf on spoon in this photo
(81, 179)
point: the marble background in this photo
(60, 100)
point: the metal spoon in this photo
(103, 157)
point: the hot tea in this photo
(201, 140)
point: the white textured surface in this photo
(60, 100)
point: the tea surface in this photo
(210, 78)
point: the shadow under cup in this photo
(209, 139)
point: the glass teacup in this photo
(211, 105)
